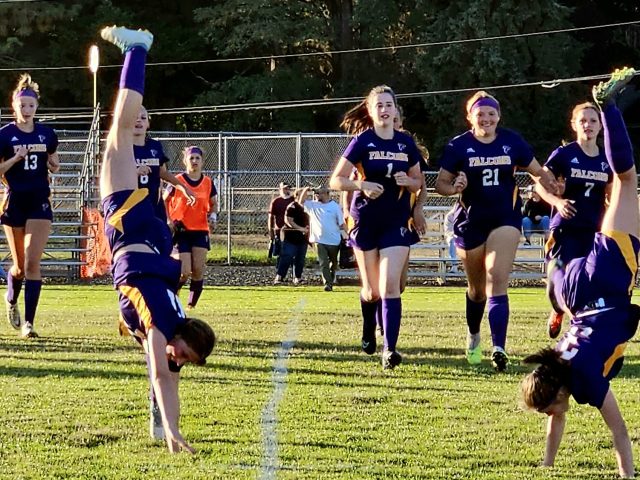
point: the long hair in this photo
(357, 119)
(540, 388)
(26, 83)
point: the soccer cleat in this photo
(554, 324)
(474, 355)
(328, 288)
(13, 314)
(156, 430)
(126, 39)
(499, 359)
(390, 359)
(605, 92)
(277, 280)
(28, 331)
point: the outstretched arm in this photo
(555, 429)
(169, 177)
(621, 443)
(165, 386)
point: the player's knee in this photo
(31, 268)
(369, 294)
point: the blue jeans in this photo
(292, 254)
(529, 226)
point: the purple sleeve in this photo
(214, 191)
(415, 157)
(450, 160)
(353, 152)
(52, 143)
(524, 154)
(163, 158)
(554, 162)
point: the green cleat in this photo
(474, 355)
(605, 92)
(126, 39)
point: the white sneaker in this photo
(13, 314)
(126, 39)
(28, 331)
(156, 430)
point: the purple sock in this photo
(31, 297)
(195, 290)
(475, 311)
(617, 145)
(369, 310)
(499, 319)
(391, 315)
(557, 279)
(14, 285)
(132, 75)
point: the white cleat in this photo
(13, 314)
(28, 331)
(126, 39)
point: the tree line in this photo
(59, 33)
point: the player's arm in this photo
(418, 213)
(410, 180)
(564, 206)
(10, 162)
(170, 178)
(341, 180)
(621, 443)
(542, 176)
(53, 162)
(555, 429)
(213, 210)
(165, 386)
(448, 183)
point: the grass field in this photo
(73, 403)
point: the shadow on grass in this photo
(78, 372)
(68, 344)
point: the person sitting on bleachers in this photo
(535, 216)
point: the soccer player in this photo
(27, 155)
(583, 169)
(192, 220)
(388, 165)
(144, 274)
(152, 165)
(480, 165)
(596, 292)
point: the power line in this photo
(340, 52)
(332, 101)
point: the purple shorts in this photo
(469, 234)
(379, 235)
(608, 272)
(567, 244)
(18, 207)
(186, 240)
(149, 301)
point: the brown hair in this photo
(540, 388)
(25, 83)
(357, 119)
(477, 96)
(583, 106)
(198, 336)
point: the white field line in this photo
(269, 420)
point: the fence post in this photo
(298, 160)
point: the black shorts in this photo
(18, 207)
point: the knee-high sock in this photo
(499, 319)
(14, 285)
(195, 290)
(132, 75)
(31, 298)
(475, 311)
(617, 145)
(391, 315)
(369, 310)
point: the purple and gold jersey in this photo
(31, 174)
(129, 219)
(491, 191)
(586, 179)
(594, 346)
(152, 155)
(377, 160)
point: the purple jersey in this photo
(594, 346)
(31, 174)
(586, 179)
(152, 155)
(129, 219)
(491, 191)
(377, 160)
